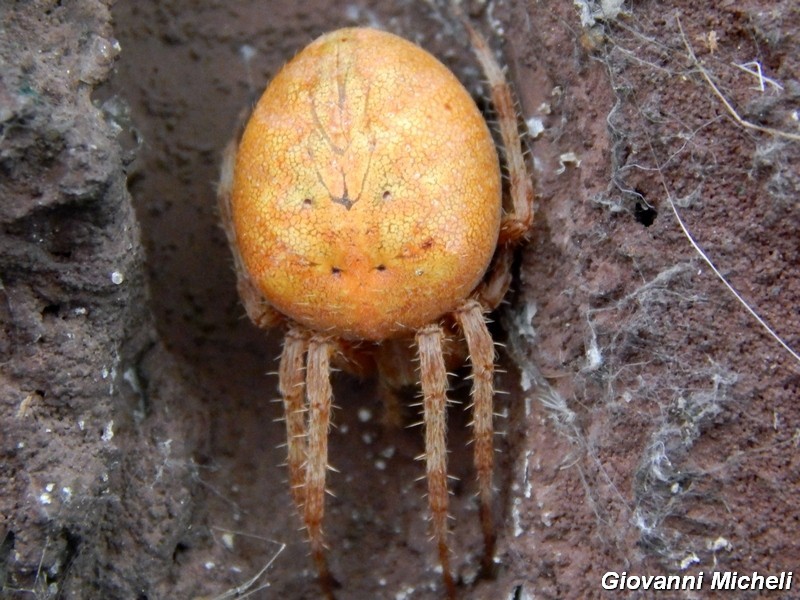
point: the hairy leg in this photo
(517, 224)
(433, 377)
(318, 389)
(481, 355)
(291, 387)
(396, 370)
(495, 284)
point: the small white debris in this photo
(525, 478)
(66, 494)
(689, 560)
(525, 382)
(568, 158)
(754, 68)
(133, 379)
(209, 565)
(380, 464)
(594, 358)
(343, 428)
(117, 278)
(108, 432)
(516, 518)
(535, 126)
(247, 52)
(718, 544)
(387, 452)
(46, 497)
(364, 415)
(367, 438)
(587, 20)
(106, 49)
(611, 8)
(589, 13)
(227, 540)
(404, 594)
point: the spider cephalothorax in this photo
(363, 202)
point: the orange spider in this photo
(363, 206)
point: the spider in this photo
(363, 204)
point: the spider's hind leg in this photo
(320, 395)
(307, 425)
(292, 387)
(433, 377)
(481, 354)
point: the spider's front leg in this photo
(515, 225)
(433, 377)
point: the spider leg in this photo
(318, 389)
(396, 370)
(515, 225)
(291, 387)
(495, 284)
(481, 354)
(433, 377)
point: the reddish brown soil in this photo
(652, 423)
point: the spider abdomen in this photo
(367, 194)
